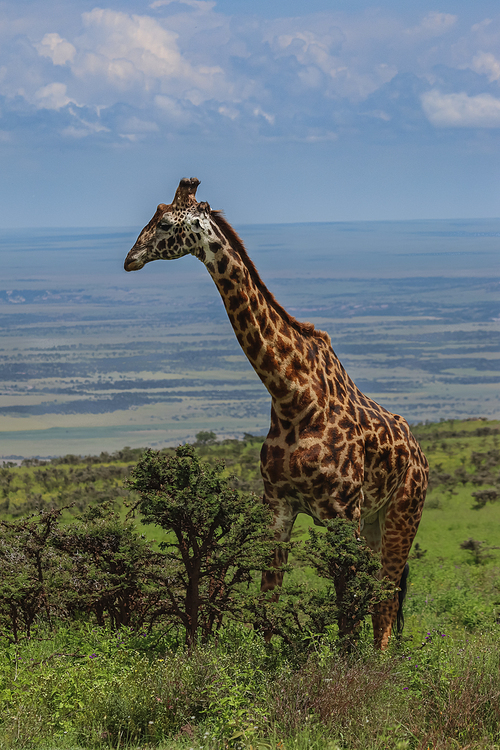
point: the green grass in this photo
(449, 517)
(446, 525)
(80, 686)
(84, 688)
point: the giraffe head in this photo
(185, 226)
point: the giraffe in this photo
(330, 451)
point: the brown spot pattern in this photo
(330, 449)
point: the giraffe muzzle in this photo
(134, 261)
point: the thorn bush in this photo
(218, 537)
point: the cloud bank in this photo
(180, 67)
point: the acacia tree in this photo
(218, 537)
(345, 559)
(30, 572)
(95, 566)
(352, 590)
(113, 571)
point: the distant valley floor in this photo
(150, 358)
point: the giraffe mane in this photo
(306, 329)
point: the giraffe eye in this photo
(166, 224)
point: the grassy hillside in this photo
(464, 457)
(462, 508)
(76, 685)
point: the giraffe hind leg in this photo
(398, 528)
(403, 585)
(273, 578)
(371, 531)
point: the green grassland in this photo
(83, 686)
(449, 518)
(460, 453)
(451, 515)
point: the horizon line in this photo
(255, 224)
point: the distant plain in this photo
(95, 359)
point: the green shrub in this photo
(112, 571)
(96, 566)
(218, 537)
(32, 574)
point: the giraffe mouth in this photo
(133, 262)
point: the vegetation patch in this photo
(101, 645)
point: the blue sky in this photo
(287, 111)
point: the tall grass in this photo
(88, 688)
(81, 686)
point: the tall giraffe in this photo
(330, 451)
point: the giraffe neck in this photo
(291, 358)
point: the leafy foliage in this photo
(113, 572)
(30, 572)
(206, 437)
(75, 683)
(218, 537)
(92, 688)
(97, 566)
(346, 560)
(480, 551)
(352, 591)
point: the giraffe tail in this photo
(403, 585)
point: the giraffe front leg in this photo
(283, 521)
(398, 527)
(282, 526)
(273, 578)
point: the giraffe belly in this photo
(332, 504)
(314, 491)
(309, 481)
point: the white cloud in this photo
(461, 110)
(72, 131)
(258, 112)
(172, 107)
(122, 53)
(123, 45)
(52, 96)
(230, 112)
(59, 50)
(193, 65)
(332, 59)
(315, 136)
(481, 25)
(471, 50)
(438, 23)
(313, 49)
(136, 129)
(485, 62)
(84, 127)
(310, 76)
(203, 5)
(434, 24)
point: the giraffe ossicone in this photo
(330, 451)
